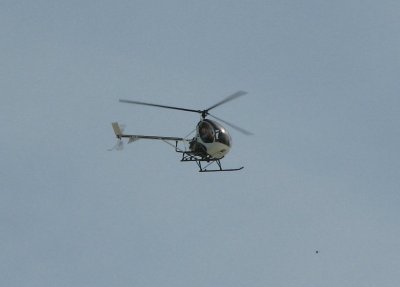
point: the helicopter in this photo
(211, 141)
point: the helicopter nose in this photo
(217, 150)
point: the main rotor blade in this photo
(243, 131)
(227, 99)
(159, 106)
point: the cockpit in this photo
(210, 131)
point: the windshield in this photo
(223, 137)
(221, 134)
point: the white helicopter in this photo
(209, 145)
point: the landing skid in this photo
(190, 157)
(227, 169)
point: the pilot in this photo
(206, 133)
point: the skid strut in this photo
(199, 159)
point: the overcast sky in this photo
(321, 171)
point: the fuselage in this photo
(212, 140)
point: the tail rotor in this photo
(119, 131)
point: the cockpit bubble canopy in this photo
(210, 131)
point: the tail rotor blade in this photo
(118, 146)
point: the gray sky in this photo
(321, 172)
